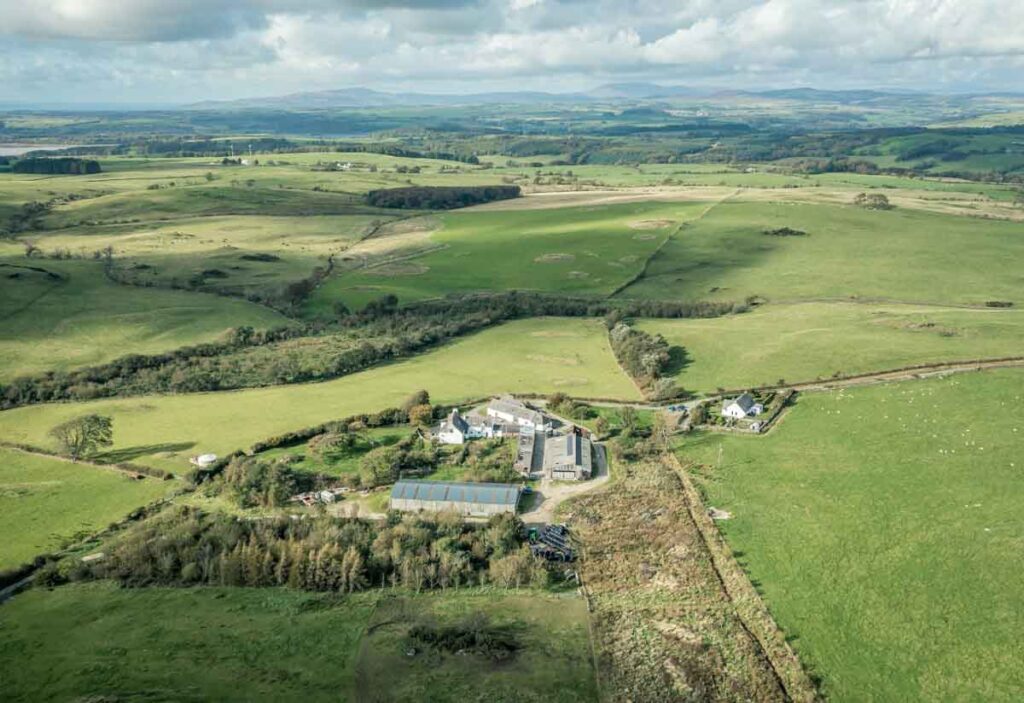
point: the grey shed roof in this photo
(458, 422)
(516, 409)
(745, 401)
(450, 491)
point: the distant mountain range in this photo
(611, 92)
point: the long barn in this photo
(473, 499)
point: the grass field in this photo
(240, 254)
(806, 341)
(898, 255)
(44, 502)
(553, 665)
(883, 526)
(50, 324)
(539, 355)
(346, 463)
(574, 250)
(97, 640)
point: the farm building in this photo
(569, 457)
(473, 499)
(203, 460)
(508, 409)
(741, 407)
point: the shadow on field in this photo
(678, 360)
(129, 453)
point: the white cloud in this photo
(190, 48)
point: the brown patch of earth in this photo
(651, 224)
(545, 359)
(554, 258)
(399, 268)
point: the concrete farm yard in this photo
(332, 352)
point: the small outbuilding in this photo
(203, 460)
(471, 499)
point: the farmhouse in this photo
(473, 499)
(569, 457)
(510, 410)
(456, 429)
(741, 407)
(453, 430)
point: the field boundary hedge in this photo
(751, 609)
(125, 466)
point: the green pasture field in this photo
(227, 644)
(83, 319)
(347, 464)
(554, 662)
(899, 255)
(587, 250)
(808, 341)
(44, 502)
(541, 355)
(883, 526)
(247, 644)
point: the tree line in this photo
(384, 329)
(56, 165)
(191, 548)
(646, 358)
(439, 197)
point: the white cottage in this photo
(453, 430)
(744, 406)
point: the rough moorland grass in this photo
(235, 253)
(540, 355)
(46, 324)
(44, 502)
(883, 525)
(573, 250)
(553, 663)
(898, 255)
(95, 641)
(806, 341)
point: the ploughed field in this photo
(883, 526)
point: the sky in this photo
(181, 51)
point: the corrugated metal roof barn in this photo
(475, 499)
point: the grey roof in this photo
(745, 401)
(516, 409)
(566, 450)
(449, 491)
(458, 422)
